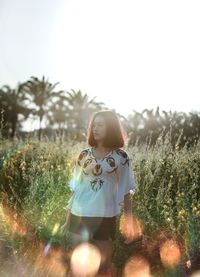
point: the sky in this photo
(129, 54)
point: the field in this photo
(166, 209)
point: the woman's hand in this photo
(129, 229)
(129, 225)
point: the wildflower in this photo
(198, 213)
(194, 209)
(169, 219)
(182, 212)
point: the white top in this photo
(99, 184)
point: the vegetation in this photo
(67, 113)
(35, 170)
(34, 177)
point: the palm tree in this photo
(41, 93)
(59, 113)
(12, 104)
(80, 108)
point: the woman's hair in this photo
(116, 136)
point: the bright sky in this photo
(131, 54)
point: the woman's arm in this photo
(128, 216)
(127, 205)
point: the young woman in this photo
(101, 182)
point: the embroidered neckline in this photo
(107, 155)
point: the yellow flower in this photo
(194, 209)
(168, 219)
(198, 213)
(182, 212)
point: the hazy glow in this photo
(15, 224)
(130, 54)
(146, 51)
(43, 257)
(196, 274)
(49, 262)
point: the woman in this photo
(101, 183)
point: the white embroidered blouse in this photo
(99, 184)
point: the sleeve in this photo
(73, 183)
(126, 180)
(77, 170)
(75, 177)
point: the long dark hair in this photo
(116, 136)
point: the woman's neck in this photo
(99, 147)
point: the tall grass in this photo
(34, 176)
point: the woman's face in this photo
(99, 128)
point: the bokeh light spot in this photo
(170, 253)
(131, 225)
(137, 266)
(85, 260)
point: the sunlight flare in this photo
(85, 260)
(170, 253)
(137, 266)
(128, 225)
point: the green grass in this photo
(35, 176)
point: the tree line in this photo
(67, 113)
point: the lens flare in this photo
(55, 229)
(12, 220)
(85, 260)
(51, 263)
(130, 226)
(137, 266)
(85, 234)
(196, 274)
(47, 248)
(170, 253)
